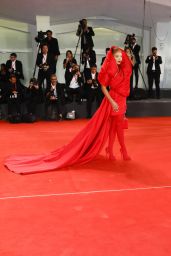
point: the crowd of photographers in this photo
(78, 85)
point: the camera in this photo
(82, 24)
(129, 40)
(44, 67)
(40, 37)
(75, 69)
(94, 84)
(52, 96)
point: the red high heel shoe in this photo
(125, 155)
(110, 155)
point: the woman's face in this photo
(69, 55)
(118, 57)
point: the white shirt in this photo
(133, 46)
(13, 64)
(93, 76)
(44, 58)
(154, 67)
(88, 64)
(54, 90)
(74, 84)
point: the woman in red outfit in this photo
(105, 124)
(119, 89)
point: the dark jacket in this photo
(60, 93)
(52, 46)
(69, 66)
(19, 69)
(3, 92)
(35, 95)
(90, 56)
(136, 51)
(50, 61)
(21, 89)
(69, 78)
(88, 37)
(95, 82)
(103, 59)
(149, 61)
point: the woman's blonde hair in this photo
(115, 50)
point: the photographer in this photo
(86, 34)
(15, 96)
(53, 47)
(74, 83)
(45, 62)
(93, 89)
(34, 96)
(55, 100)
(136, 50)
(68, 63)
(14, 67)
(153, 72)
(88, 59)
(3, 74)
(132, 59)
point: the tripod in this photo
(135, 92)
(35, 66)
(78, 42)
(142, 78)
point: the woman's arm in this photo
(107, 95)
(65, 63)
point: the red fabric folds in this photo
(88, 143)
(84, 147)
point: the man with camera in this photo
(74, 83)
(88, 59)
(14, 67)
(34, 96)
(15, 96)
(136, 51)
(53, 47)
(68, 62)
(3, 92)
(45, 62)
(86, 34)
(93, 89)
(55, 100)
(153, 72)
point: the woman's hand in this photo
(115, 106)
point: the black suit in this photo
(154, 74)
(90, 58)
(3, 77)
(55, 106)
(18, 69)
(45, 74)
(34, 97)
(3, 92)
(103, 59)
(93, 92)
(74, 91)
(53, 49)
(86, 37)
(69, 67)
(15, 100)
(136, 51)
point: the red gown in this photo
(87, 144)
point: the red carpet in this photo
(120, 222)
